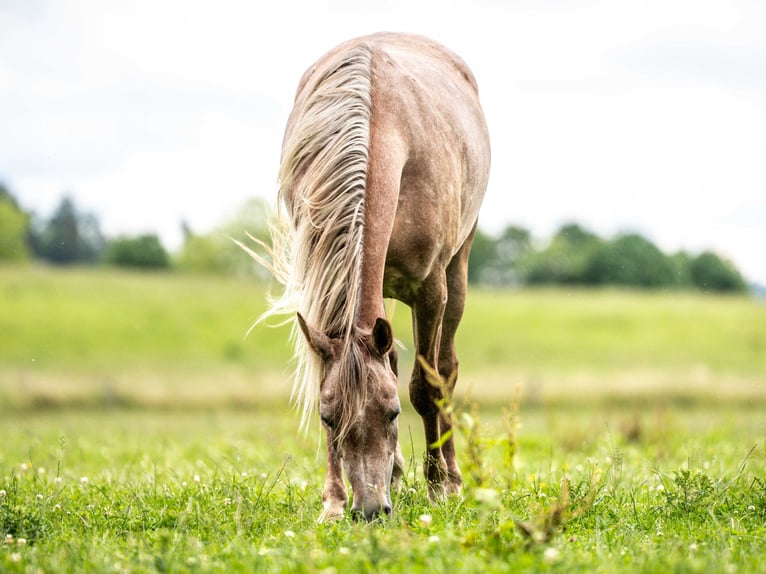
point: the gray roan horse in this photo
(384, 166)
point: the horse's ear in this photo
(382, 338)
(318, 341)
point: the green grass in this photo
(142, 432)
(147, 491)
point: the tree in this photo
(566, 258)
(711, 273)
(144, 252)
(482, 257)
(14, 224)
(496, 261)
(68, 237)
(215, 252)
(630, 260)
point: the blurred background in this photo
(620, 251)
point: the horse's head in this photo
(360, 418)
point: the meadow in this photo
(599, 431)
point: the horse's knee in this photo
(424, 397)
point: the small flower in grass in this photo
(21, 541)
(39, 497)
(3, 493)
(41, 471)
(227, 501)
(551, 555)
(343, 551)
(289, 534)
(84, 480)
(196, 478)
(58, 480)
(425, 519)
(244, 475)
(9, 538)
(24, 467)
(692, 547)
(15, 557)
(433, 539)
(751, 507)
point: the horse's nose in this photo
(372, 512)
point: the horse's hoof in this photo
(333, 510)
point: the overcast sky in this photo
(639, 116)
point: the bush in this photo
(144, 251)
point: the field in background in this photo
(142, 432)
(84, 336)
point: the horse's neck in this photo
(381, 199)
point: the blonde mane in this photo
(317, 234)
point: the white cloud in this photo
(641, 115)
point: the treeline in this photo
(71, 236)
(574, 256)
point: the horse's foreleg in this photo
(335, 494)
(457, 279)
(398, 471)
(427, 313)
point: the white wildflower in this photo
(425, 519)
(551, 555)
(289, 534)
(84, 481)
(433, 539)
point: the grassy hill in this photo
(76, 334)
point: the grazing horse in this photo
(385, 162)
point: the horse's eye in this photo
(329, 423)
(393, 415)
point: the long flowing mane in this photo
(317, 235)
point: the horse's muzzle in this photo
(372, 512)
